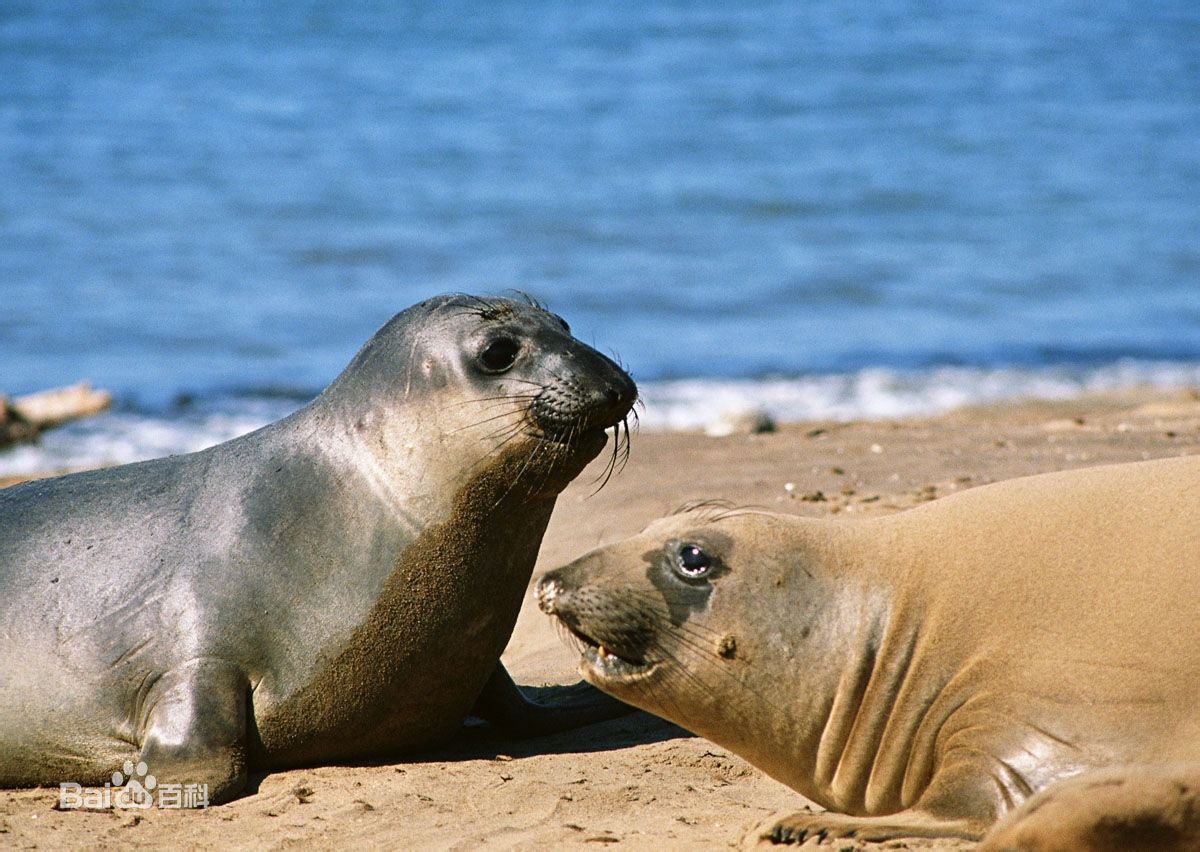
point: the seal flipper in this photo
(962, 800)
(195, 729)
(1120, 807)
(806, 825)
(504, 704)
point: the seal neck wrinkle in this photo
(866, 745)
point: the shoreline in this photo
(135, 429)
(638, 780)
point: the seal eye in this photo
(499, 355)
(692, 562)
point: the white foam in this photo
(881, 393)
(884, 393)
(121, 437)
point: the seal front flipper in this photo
(504, 704)
(1122, 807)
(806, 825)
(195, 728)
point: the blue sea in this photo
(823, 209)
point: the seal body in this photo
(920, 674)
(336, 585)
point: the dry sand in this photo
(637, 782)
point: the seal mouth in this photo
(605, 663)
(592, 439)
(587, 443)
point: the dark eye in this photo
(692, 562)
(499, 355)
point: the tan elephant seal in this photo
(920, 674)
(335, 586)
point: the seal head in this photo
(523, 382)
(676, 611)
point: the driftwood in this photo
(23, 418)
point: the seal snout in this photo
(570, 405)
(617, 396)
(545, 593)
(613, 636)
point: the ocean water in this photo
(826, 210)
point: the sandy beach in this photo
(637, 782)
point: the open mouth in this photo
(607, 663)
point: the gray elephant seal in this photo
(337, 585)
(920, 674)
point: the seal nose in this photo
(546, 591)
(618, 394)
